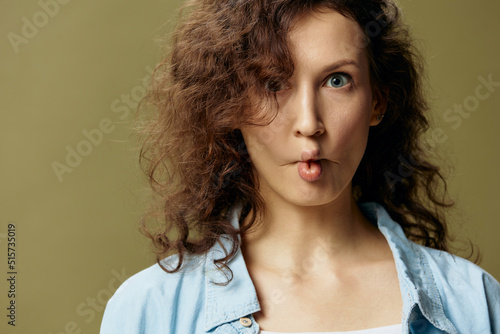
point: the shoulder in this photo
(456, 272)
(450, 272)
(463, 286)
(446, 286)
(149, 298)
(156, 278)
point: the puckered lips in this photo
(309, 168)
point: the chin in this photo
(312, 198)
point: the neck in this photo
(307, 240)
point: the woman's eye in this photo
(338, 80)
(275, 85)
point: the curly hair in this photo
(194, 154)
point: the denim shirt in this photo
(442, 293)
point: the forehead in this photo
(327, 34)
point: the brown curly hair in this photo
(195, 157)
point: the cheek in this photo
(351, 129)
(351, 141)
(258, 142)
(262, 139)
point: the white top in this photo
(393, 329)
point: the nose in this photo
(308, 120)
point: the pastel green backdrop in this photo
(73, 72)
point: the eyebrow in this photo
(340, 63)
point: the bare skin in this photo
(316, 262)
(324, 284)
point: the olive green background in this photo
(77, 236)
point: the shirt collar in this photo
(421, 297)
(236, 299)
(226, 303)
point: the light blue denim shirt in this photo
(442, 293)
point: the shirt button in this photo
(245, 322)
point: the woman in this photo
(295, 192)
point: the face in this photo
(309, 153)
